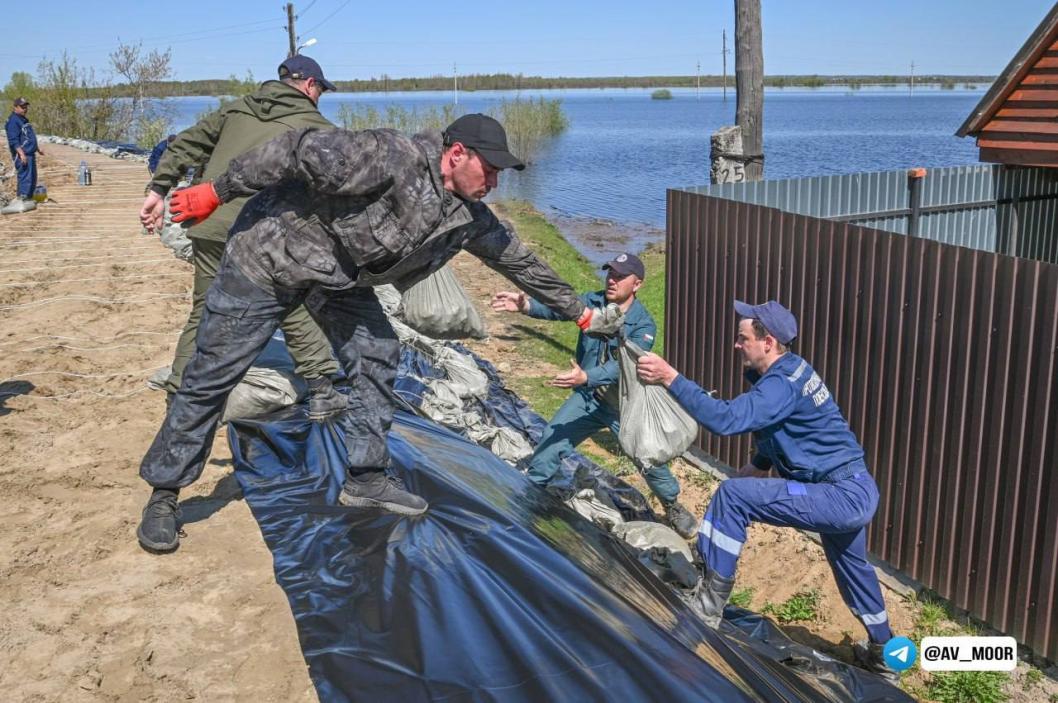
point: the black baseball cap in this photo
(301, 67)
(626, 264)
(485, 136)
(21, 102)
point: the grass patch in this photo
(1032, 679)
(967, 687)
(741, 597)
(801, 606)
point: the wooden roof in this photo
(1016, 121)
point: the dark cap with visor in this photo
(487, 137)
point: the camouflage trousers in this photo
(238, 320)
(307, 344)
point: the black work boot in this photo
(324, 400)
(377, 490)
(871, 656)
(713, 592)
(159, 530)
(681, 520)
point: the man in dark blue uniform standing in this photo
(823, 485)
(22, 141)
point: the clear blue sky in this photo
(570, 38)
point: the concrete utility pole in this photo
(455, 84)
(749, 85)
(290, 30)
(736, 152)
(723, 53)
(697, 80)
(912, 83)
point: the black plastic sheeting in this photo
(498, 593)
(503, 408)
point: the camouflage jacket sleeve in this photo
(191, 147)
(330, 162)
(501, 250)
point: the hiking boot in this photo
(713, 592)
(871, 656)
(375, 489)
(324, 400)
(159, 530)
(681, 520)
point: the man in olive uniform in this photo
(336, 213)
(274, 108)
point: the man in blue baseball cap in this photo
(823, 484)
(594, 403)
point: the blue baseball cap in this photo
(300, 67)
(779, 321)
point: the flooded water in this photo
(623, 149)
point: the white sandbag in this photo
(174, 234)
(468, 380)
(18, 205)
(587, 505)
(261, 391)
(645, 535)
(389, 297)
(439, 307)
(654, 428)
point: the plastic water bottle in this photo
(87, 175)
(81, 170)
(40, 194)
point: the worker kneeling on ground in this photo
(823, 483)
(335, 213)
(594, 403)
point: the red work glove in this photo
(194, 203)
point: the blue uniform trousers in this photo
(581, 416)
(27, 175)
(838, 511)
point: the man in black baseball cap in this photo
(487, 137)
(22, 142)
(302, 67)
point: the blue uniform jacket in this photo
(797, 426)
(20, 134)
(597, 355)
(156, 154)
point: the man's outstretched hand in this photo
(194, 203)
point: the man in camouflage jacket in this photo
(335, 213)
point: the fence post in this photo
(914, 187)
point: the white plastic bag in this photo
(654, 428)
(438, 307)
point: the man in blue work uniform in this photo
(22, 141)
(594, 403)
(823, 484)
(156, 153)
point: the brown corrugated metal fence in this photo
(945, 361)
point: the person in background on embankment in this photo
(22, 141)
(594, 403)
(823, 484)
(276, 107)
(156, 153)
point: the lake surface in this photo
(623, 149)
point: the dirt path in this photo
(88, 615)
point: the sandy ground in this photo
(87, 615)
(90, 308)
